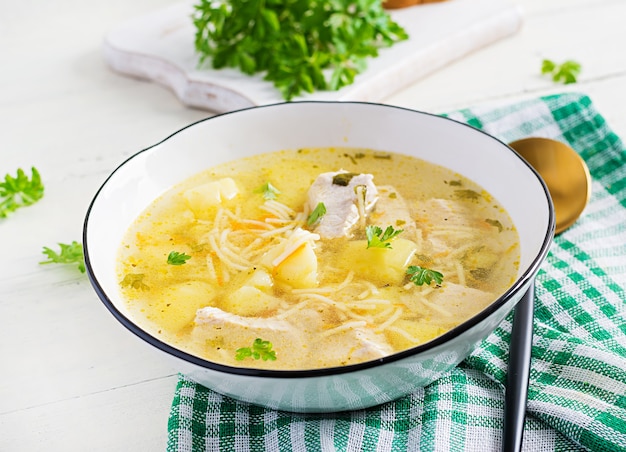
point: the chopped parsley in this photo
(268, 191)
(176, 258)
(260, 350)
(471, 195)
(377, 238)
(343, 179)
(495, 224)
(566, 72)
(135, 281)
(317, 214)
(419, 275)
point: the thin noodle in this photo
(434, 307)
(211, 268)
(323, 299)
(327, 289)
(292, 310)
(385, 313)
(278, 231)
(278, 221)
(278, 209)
(460, 273)
(391, 320)
(260, 224)
(235, 260)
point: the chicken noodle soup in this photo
(315, 258)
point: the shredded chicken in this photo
(345, 204)
(463, 302)
(291, 341)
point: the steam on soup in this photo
(315, 258)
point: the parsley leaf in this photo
(19, 191)
(260, 350)
(317, 214)
(377, 238)
(566, 72)
(419, 275)
(300, 45)
(176, 258)
(69, 254)
(268, 191)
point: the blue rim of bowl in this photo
(519, 283)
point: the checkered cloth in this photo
(577, 394)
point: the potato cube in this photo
(381, 265)
(249, 301)
(175, 306)
(260, 279)
(299, 269)
(204, 197)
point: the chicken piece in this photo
(354, 346)
(293, 341)
(443, 212)
(230, 332)
(450, 219)
(235, 330)
(348, 197)
(392, 210)
(459, 301)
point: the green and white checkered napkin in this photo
(577, 394)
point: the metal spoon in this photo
(564, 172)
(568, 180)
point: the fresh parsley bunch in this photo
(300, 45)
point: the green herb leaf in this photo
(300, 46)
(135, 281)
(495, 224)
(343, 179)
(176, 258)
(268, 191)
(260, 350)
(317, 214)
(377, 238)
(566, 72)
(19, 191)
(419, 275)
(470, 195)
(69, 254)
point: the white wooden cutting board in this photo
(160, 47)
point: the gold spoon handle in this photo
(516, 395)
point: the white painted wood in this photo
(71, 378)
(160, 47)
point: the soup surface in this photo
(315, 258)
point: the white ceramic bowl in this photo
(482, 158)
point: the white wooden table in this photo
(72, 378)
